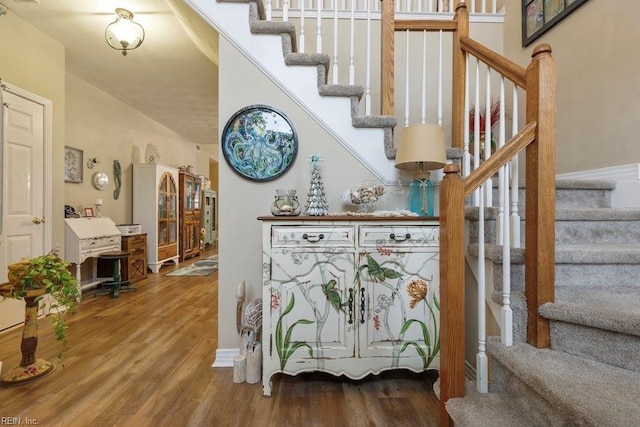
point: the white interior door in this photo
(23, 192)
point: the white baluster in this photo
(481, 357)
(302, 38)
(506, 312)
(367, 87)
(285, 11)
(319, 27)
(487, 135)
(502, 178)
(352, 65)
(476, 129)
(406, 82)
(466, 157)
(440, 73)
(515, 180)
(423, 115)
(268, 10)
(335, 42)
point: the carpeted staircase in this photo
(591, 374)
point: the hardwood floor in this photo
(145, 358)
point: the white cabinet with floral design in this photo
(349, 297)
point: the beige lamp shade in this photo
(421, 148)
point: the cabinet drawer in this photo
(166, 252)
(312, 237)
(133, 242)
(399, 236)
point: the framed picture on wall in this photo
(259, 143)
(73, 165)
(538, 16)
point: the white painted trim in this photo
(627, 178)
(615, 173)
(231, 20)
(224, 357)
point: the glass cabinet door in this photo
(167, 210)
(196, 195)
(188, 195)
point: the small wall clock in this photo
(259, 143)
(100, 180)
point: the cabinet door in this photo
(400, 293)
(310, 311)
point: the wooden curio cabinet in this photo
(190, 190)
(155, 208)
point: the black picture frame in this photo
(259, 143)
(539, 16)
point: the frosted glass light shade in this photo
(124, 34)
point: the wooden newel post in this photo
(451, 289)
(541, 194)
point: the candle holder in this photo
(98, 205)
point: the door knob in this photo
(38, 220)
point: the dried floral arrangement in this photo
(493, 116)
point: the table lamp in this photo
(421, 149)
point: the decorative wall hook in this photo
(92, 162)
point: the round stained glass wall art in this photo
(259, 143)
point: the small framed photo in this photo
(73, 165)
(88, 212)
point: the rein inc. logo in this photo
(18, 421)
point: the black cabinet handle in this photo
(350, 308)
(313, 238)
(362, 301)
(399, 238)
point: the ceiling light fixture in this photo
(123, 34)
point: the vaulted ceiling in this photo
(172, 77)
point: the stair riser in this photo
(541, 412)
(572, 198)
(609, 347)
(573, 232)
(579, 275)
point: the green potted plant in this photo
(30, 280)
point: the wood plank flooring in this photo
(144, 359)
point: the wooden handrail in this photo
(498, 63)
(500, 158)
(537, 138)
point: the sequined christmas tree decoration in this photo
(316, 199)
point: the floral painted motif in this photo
(376, 322)
(275, 302)
(383, 251)
(417, 290)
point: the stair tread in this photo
(579, 388)
(612, 308)
(565, 214)
(608, 253)
(490, 409)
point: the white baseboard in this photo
(627, 178)
(224, 357)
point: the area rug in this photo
(199, 268)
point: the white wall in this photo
(35, 62)
(598, 81)
(242, 201)
(108, 129)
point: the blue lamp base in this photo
(421, 197)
